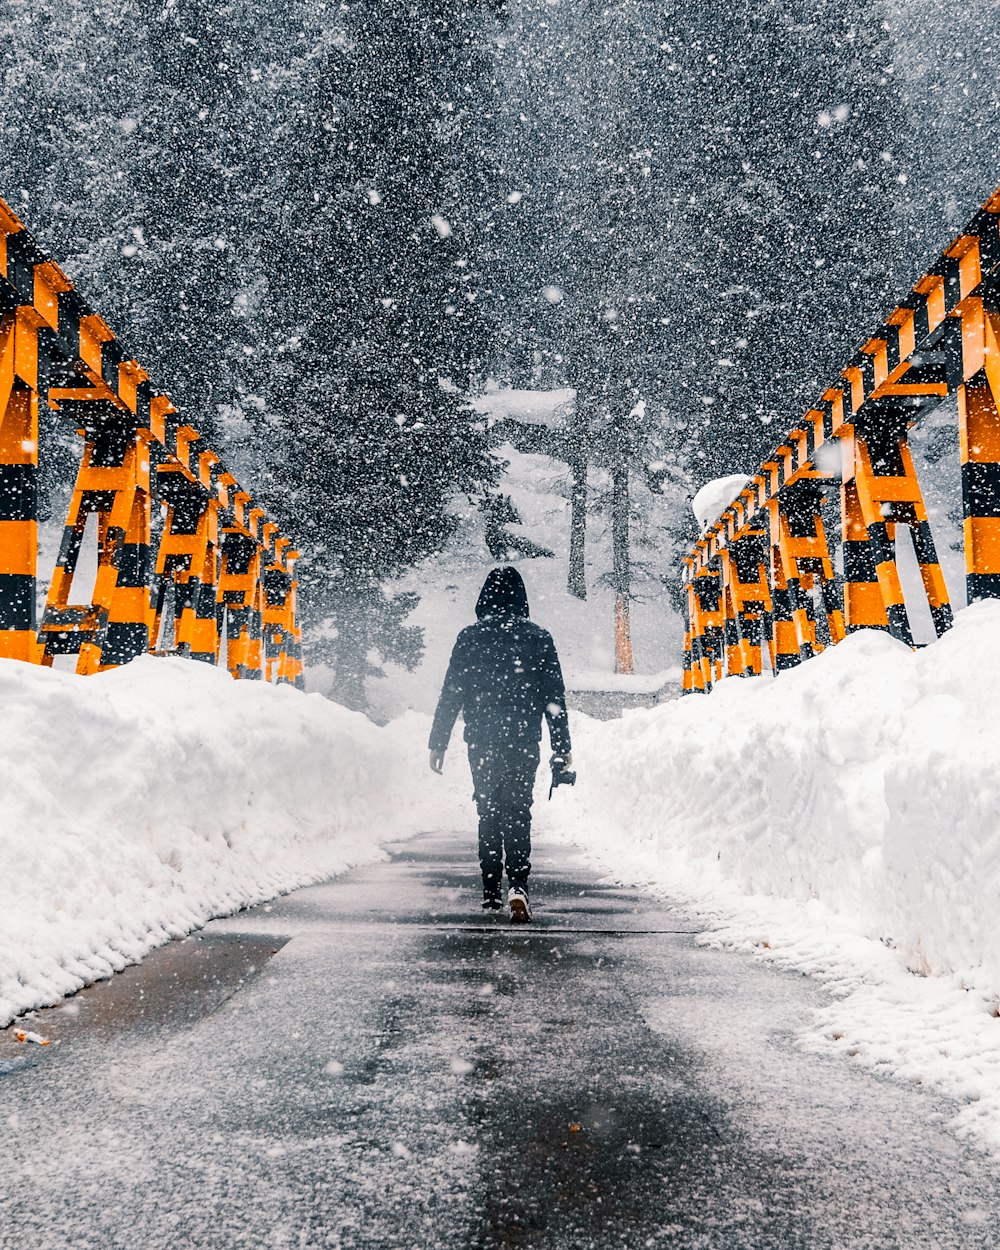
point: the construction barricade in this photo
(761, 580)
(185, 559)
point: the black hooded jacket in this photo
(504, 676)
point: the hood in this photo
(503, 594)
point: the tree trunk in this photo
(576, 447)
(576, 582)
(622, 568)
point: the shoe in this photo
(517, 897)
(492, 902)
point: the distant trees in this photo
(382, 261)
(701, 192)
(603, 266)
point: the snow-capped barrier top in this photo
(750, 575)
(218, 562)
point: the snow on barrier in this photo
(183, 551)
(761, 580)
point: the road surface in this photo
(371, 1063)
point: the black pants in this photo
(503, 781)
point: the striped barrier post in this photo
(19, 385)
(166, 512)
(943, 339)
(979, 443)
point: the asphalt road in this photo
(370, 1063)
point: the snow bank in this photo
(845, 819)
(139, 803)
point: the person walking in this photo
(504, 676)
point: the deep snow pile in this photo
(844, 819)
(137, 804)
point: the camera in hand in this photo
(561, 775)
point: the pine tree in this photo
(386, 239)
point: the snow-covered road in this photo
(369, 1064)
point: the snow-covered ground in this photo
(843, 820)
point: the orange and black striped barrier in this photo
(852, 450)
(185, 558)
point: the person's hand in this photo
(437, 761)
(568, 757)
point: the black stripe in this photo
(795, 595)
(859, 561)
(185, 596)
(111, 442)
(47, 340)
(865, 363)
(68, 642)
(205, 609)
(952, 280)
(133, 565)
(832, 598)
(942, 618)
(984, 225)
(983, 586)
(786, 660)
(921, 322)
(22, 256)
(827, 407)
(951, 344)
(277, 584)
(923, 543)
(753, 631)
(17, 601)
(69, 548)
(8, 296)
(852, 628)
(71, 309)
(18, 492)
(56, 617)
(884, 441)
(781, 602)
(111, 358)
(123, 641)
(899, 624)
(981, 488)
(143, 394)
(97, 500)
(890, 333)
(238, 551)
(707, 591)
(878, 540)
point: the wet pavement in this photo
(371, 1063)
